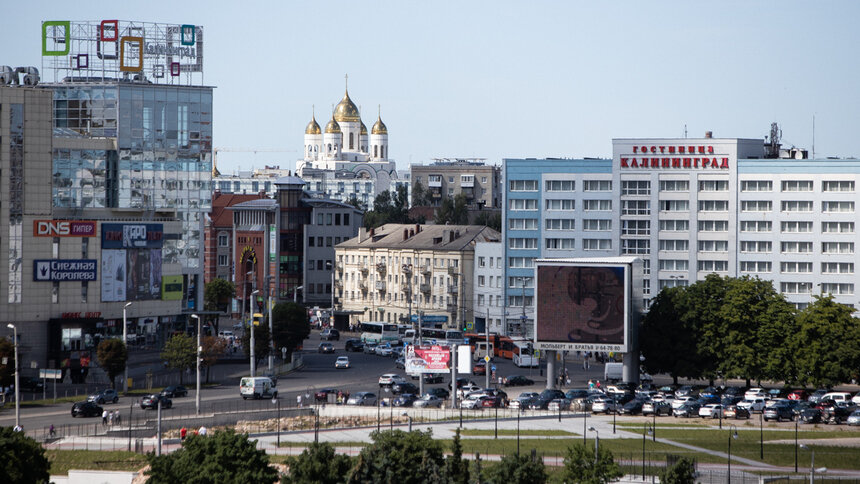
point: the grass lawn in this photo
(537, 433)
(63, 460)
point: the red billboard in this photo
(428, 359)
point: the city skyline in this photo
(505, 80)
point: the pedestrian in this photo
(598, 384)
(299, 401)
(104, 418)
(110, 419)
(591, 384)
(52, 432)
(182, 433)
(18, 428)
(202, 431)
(118, 417)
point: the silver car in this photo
(362, 399)
(603, 405)
(428, 401)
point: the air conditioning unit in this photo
(6, 75)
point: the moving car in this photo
(517, 380)
(479, 368)
(353, 344)
(383, 350)
(257, 387)
(401, 363)
(369, 348)
(330, 334)
(106, 395)
(326, 348)
(428, 401)
(323, 395)
(174, 391)
(86, 409)
(403, 387)
(405, 400)
(439, 392)
(342, 362)
(389, 379)
(151, 402)
(362, 399)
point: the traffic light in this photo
(258, 317)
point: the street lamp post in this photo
(812, 463)
(645, 431)
(410, 420)
(733, 434)
(596, 444)
(251, 342)
(17, 378)
(271, 332)
(761, 434)
(795, 442)
(199, 356)
(125, 342)
(277, 401)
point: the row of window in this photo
(826, 288)
(643, 187)
(332, 219)
(797, 186)
(746, 246)
(797, 267)
(561, 185)
(563, 204)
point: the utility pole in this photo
(125, 342)
(487, 333)
(251, 342)
(269, 278)
(199, 356)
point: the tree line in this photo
(725, 327)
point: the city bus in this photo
(522, 356)
(378, 332)
(440, 336)
(502, 346)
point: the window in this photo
(796, 227)
(635, 246)
(713, 246)
(521, 243)
(597, 185)
(517, 301)
(674, 265)
(635, 207)
(713, 185)
(671, 245)
(596, 244)
(483, 179)
(596, 225)
(837, 227)
(520, 204)
(523, 224)
(837, 268)
(328, 241)
(481, 281)
(635, 187)
(560, 244)
(755, 266)
(795, 267)
(521, 262)
(561, 204)
(674, 185)
(713, 225)
(674, 205)
(796, 247)
(756, 226)
(837, 247)
(597, 205)
(560, 224)
(482, 261)
(673, 283)
(560, 185)
(838, 186)
(797, 186)
(675, 225)
(756, 186)
(750, 246)
(635, 227)
(521, 282)
(523, 185)
(756, 206)
(713, 266)
(795, 287)
(834, 207)
(223, 240)
(837, 288)
(223, 260)
(480, 299)
(713, 205)
(450, 179)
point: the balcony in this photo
(406, 287)
(453, 270)
(452, 288)
(452, 308)
(381, 268)
(380, 286)
(338, 283)
(467, 181)
(363, 270)
(425, 288)
(363, 286)
(434, 181)
(426, 269)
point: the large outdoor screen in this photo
(582, 307)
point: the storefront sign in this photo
(64, 228)
(80, 315)
(674, 156)
(129, 236)
(64, 270)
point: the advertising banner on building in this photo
(132, 236)
(131, 275)
(64, 270)
(428, 359)
(430, 319)
(171, 288)
(114, 272)
(64, 228)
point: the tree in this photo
(261, 341)
(419, 195)
(112, 355)
(290, 326)
(827, 343)
(663, 327)
(217, 294)
(518, 469)
(357, 204)
(213, 348)
(683, 471)
(401, 457)
(389, 208)
(580, 466)
(7, 371)
(453, 212)
(490, 219)
(319, 463)
(700, 310)
(223, 456)
(23, 458)
(457, 468)
(180, 353)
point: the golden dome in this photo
(346, 110)
(313, 127)
(333, 127)
(379, 127)
(363, 131)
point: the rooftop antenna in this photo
(685, 130)
(346, 81)
(813, 136)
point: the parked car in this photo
(659, 407)
(686, 391)
(479, 368)
(32, 384)
(633, 407)
(432, 378)
(755, 393)
(342, 362)
(711, 410)
(754, 405)
(390, 379)
(175, 391)
(558, 404)
(734, 391)
(326, 348)
(678, 401)
(733, 411)
(106, 395)
(151, 402)
(403, 387)
(524, 400)
(405, 399)
(709, 392)
(837, 413)
(817, 394)
(603, 405)
(428, 401)
(545, 397)
(778, 411)
(775, 393)
(461, 382)
(731, 400)
(856, 398)
(517, 380)
(329, 334)
(837, 396)
(854, 418)
(86, 409)
(687, 410)
(439, 392)
(362, 399)
(810, 415)
(473, 402)
(353, 344)
(323, 394)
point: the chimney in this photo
(709, 134)
(451, 236)
(417, 228)
(372, 232)
(411, 232)
(405, 234)
(362, 234)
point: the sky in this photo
(504, 79)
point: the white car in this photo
(856, 398)
(711, 410)
(342, 362)
(754, 393)
(473, 401)
(676, 403)
(390, 379)
(428, 401)
(383, 350)
(752, 404)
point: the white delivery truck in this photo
(257, 387)
(613, 372)
(523, 357)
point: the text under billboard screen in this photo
(581, 305)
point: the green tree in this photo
(401, 457)
(389, 208)
(180, 353)
(453, 212)
(112, 355)
(261, 340)
(683, 471)
(518, 469)
(663, 327)
(319, 463)
(457, 468)
(213, 348)
(419, 195)
(23, 458)
(477, 470)
(7, 371)
(581, 466)
(217, 294)
(700, 310)
(290, 326)
(224, 457)
(827, 347)
(490, 219)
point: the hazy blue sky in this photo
(500, 79)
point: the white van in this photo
(257, 387)
(837, 397)
(613, 372)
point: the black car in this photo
(354, 345)
(778, 411)
(545, 397)
(810, 415)
(688, 410)
(439, 392)
(174, 391)
(632, 407)
(731, 400)
(405, 400)
(86, 409)
(32, 384)
(151, 401)
(330, 335)
(462, 382)
(576, 394)
(430, 378)
(837, 414)
(399, 388)
(325, 348)
(518, 380)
